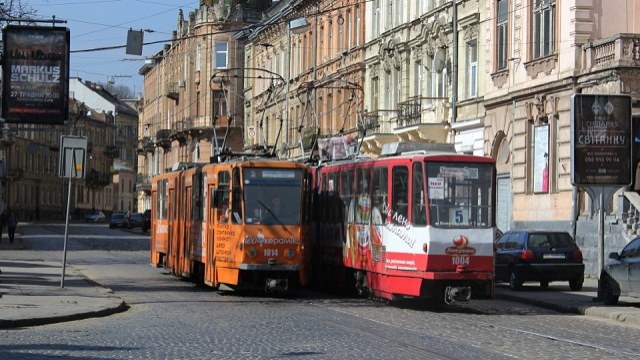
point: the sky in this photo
(103, 23)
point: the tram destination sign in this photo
(601, 140)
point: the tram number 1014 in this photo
(270, 252)
(460, 260)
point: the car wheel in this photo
(576, 284)
(515, 283)
(607, 292)
(544, 284)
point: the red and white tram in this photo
(413, 224)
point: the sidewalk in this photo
(31, 293)
(558, 297)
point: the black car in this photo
(118, 220)
(542, 256)
(146, 225)
(621, 275)
(135, 220)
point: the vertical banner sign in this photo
(35, 74)
(601, 140)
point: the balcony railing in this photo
(379, 122)
(172, 91)
(423, 110)
(146, 145)
(143, 182)
(163, 138)
(111, 151)
(97, 178)
(621, 50)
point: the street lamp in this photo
(295, 26)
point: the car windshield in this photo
(117, 216)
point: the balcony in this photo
(172, 91)
(163, 138)
(378, 127)
(95, 178)
(111, 151)
(620, 50)
(179, 133)
(143, 183)
(198, 127)
(423, 119)
(146, 145)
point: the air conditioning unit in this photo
(180, 83)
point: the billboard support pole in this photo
(601, 197)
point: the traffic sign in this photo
(73, 150)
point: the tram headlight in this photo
(252, 252)
(425, 247)
(291, 253)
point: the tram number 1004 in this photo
(460, 260)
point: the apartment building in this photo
(304, 78)
(29, 174)
(193, 108)
(124, 118)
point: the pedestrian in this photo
(3, 221)
(12, 223)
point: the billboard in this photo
(601, 140)
(35, 72)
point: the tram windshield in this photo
(272, 196)
(460, 194)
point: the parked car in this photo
(95, 216)
(135, 220)
(621, 275)
(146, 225)
(542, 256)
(118, 220)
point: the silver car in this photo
(621, 276)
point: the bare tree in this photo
(16, 10)
(120, 91)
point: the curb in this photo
(10, 324)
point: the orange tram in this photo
(413, 223)
(238, 224)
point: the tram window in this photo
(418, 211)
(196, 212)
(162, 196)
(236, 200)
(346, 194)
(379, 196)
(222, 196)
(460, 194)
(363, 191)
(400, 194)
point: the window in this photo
(375, 83)
(503, 22)
(198, 57)
(357, 26)
(389, 22)
(418, 79)
(379, 196)
(418, 205)
(376, 19)
(219, 104)
(544, 17)
(400, 193)
(472, 68)
(221, 52)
